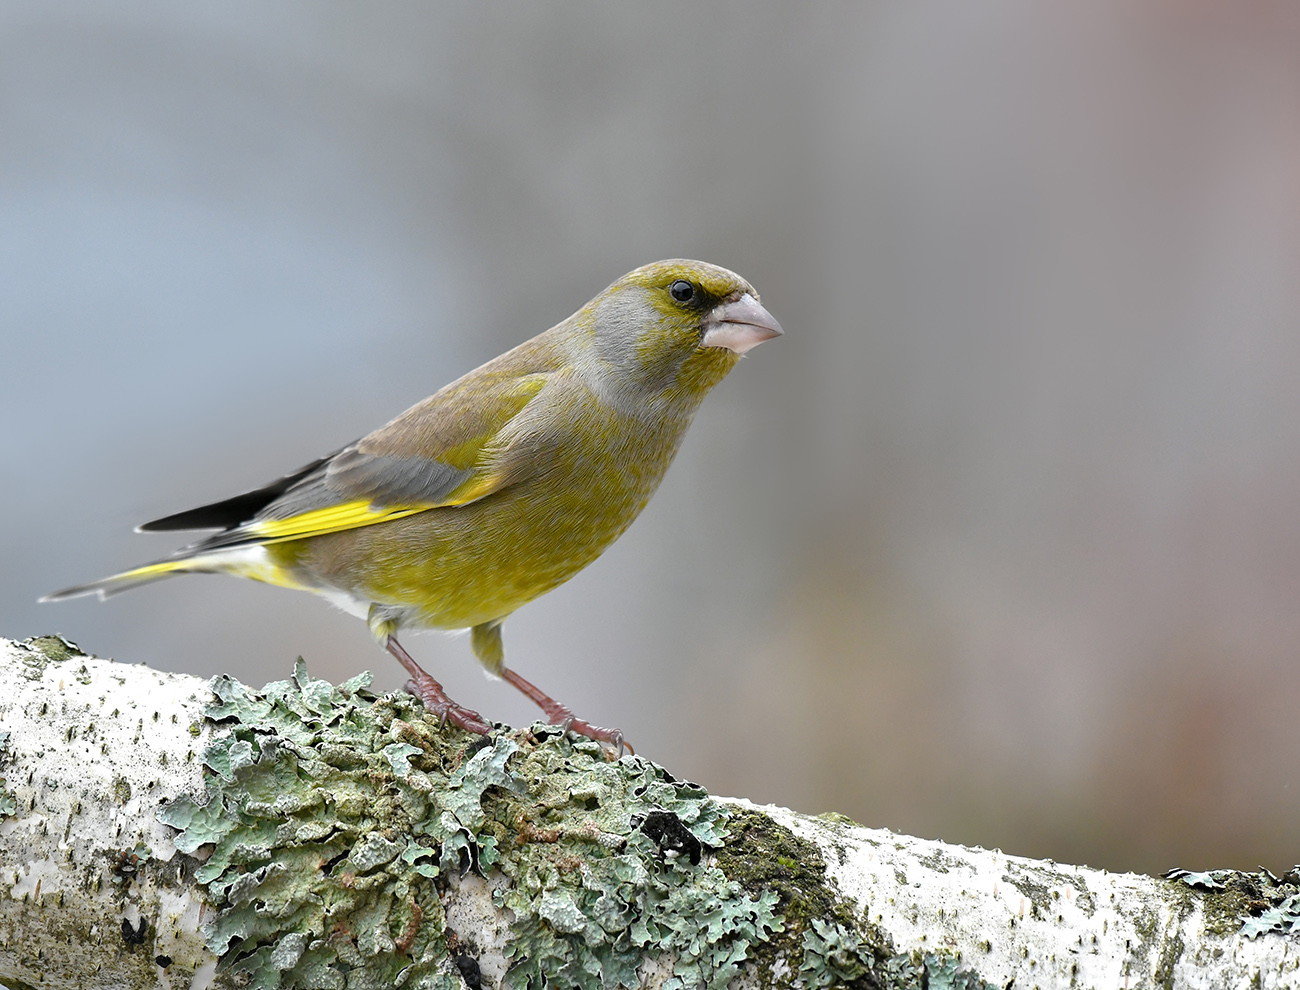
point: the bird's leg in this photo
(485, 641)
(558, 714)
(434, 697)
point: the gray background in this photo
(1000, 543)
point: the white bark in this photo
(1089, 928)
(96, 747)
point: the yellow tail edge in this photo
(125, 581)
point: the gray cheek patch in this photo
(619, 322)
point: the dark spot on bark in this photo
(132, 935)
(469, 971)
(670, 835)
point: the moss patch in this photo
(764, 856)
(38, 652)
(825, 942)
(54, 647)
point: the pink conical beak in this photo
(740, 325)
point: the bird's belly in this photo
(454, 567)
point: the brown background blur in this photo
(999, 544)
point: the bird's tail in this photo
(251, 561)
(127, 580)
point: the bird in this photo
(498, 487)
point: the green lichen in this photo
(623, 896)
(835, 818)
(944, 973)
(833, 955)
(333, 821)
(1208, 880)
(1281, 917)
(37, 653)
(1251, 904)
(54, 647)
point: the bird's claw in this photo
(565, 719)
(562, 715)
(438, 704)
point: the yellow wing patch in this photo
(332, 519)
(482, 480)
(362, 512)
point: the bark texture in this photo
(158, 830)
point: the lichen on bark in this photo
(334, 821)
(344, 839)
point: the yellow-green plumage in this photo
(504, 483)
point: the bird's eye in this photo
(682, 290)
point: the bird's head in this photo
(671, 330)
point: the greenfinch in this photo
(498, 487)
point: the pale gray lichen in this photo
(833, 954)
(944, 973)
(1250, 903)
(333, 822)
(1207, 880)
(333, 818)
(1281, 917)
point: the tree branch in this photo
(157, 830)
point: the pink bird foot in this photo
(562, 715)
(434, 697)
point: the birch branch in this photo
(158, 830)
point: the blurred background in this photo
(999, 544)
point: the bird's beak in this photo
(739, 325)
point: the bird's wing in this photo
(451, 449)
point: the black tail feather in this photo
(232, 511)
